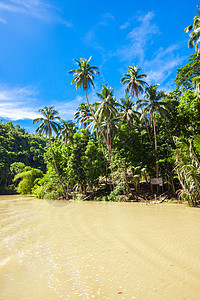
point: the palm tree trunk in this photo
(66, 141)
(107, 143)
(104, 158)
(144, 120)
(109, 154)
(155, 139)
(109, 148)
(64, 191)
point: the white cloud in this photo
(125, 25)
(18, 103)
(90, 37)
(108, 16)
(67, 110)
(139, 38)
(163, 64)
(40, 9)
(164, 61)
(23, 103)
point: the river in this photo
(95, 250)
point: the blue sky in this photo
(39, 40)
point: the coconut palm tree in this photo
(107, 112)
(48, 125)
(84, 77)
(127, 110)
(107, 108)
(82, 114)
(67, 130)
(135, 85)
(195, 34)
(134, 81)
(188, 169)
(153, 105)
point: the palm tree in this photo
(188, 169)
(82, 114)
(153, 105)
(195, 34)
(84, 76)
(107, 108)
(135, 85)
(48, 125)
(67, 130)
(127, 110)
(134, 81)
(106, 114)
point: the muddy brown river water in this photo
(93, 250)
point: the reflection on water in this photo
(96, 250)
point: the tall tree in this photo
(153, 105)
(67, 130)
(107, 108)
(107, 113)
(127, 110)
(134, 81)
(48, 125)
(135, 85)
(195, 34)
(84, 77)
(82, 114)
(188, 168)
(187, 73)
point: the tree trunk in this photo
(66, 141)
(64, 191)
(109, 156)
(144, 120)
(107, 143)
(155, 139)
(109, 148)
(104, 159)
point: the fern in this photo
(188, 170)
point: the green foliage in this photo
(138, 173)
(48, 186)
(84, 75)
(82, 114)
(27, 179)
(17, 146)
(94, 164)
(17, 167)
(194, 34)
(188, 113)
(48, 121)
(134, 80)
(76, 171)
(129, 145)
(119, 142)
(186, 73)
(188, 170)
(120, 189)
(60, 155)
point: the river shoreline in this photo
(53, 250)
(153, 199)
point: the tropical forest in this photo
(136, 148)
(99, 150)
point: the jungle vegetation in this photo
(114, 147)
